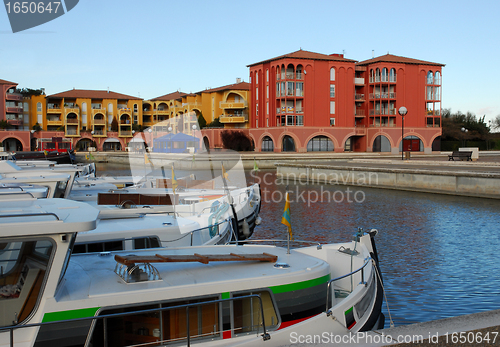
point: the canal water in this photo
(438, 253)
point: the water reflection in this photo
(437, 252)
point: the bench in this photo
(460, 155)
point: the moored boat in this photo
(213, 295)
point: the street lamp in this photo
(465, 131)
(402, 112)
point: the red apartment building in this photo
(306, 101)
(11, 111)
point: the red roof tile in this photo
(236, 86)
(300, 54)
(389, 58)
(171, 96)
(7, 82)
(93, 94)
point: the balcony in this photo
(100, 121)
(125, 133)
(13, 97)
(14, 109)
(359, 81)
(234, 119)
(233, 105)
(72, 121)
(163, 111)
(15, 122)
(122, 111)
(54, 109)
(359, 97)
(54, 121)
(360, 113)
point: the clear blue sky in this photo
(150, 48)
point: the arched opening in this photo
(377, 75)
(381, 144)
(290, 72)
(267, 144)
(12, 145)
(288, 144)
(112, 144)
(83, 145)
(412, 144)
(436, 144)
(392, 75)
(332, 74)
(384, 74)
(348, 145)
(320, 144)
(430, 78)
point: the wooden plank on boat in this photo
(133, 198)
(202, 258)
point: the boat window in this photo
(146, 242)
(155, 328)
(23, 268)
(60, 191)
(247, 313)
(95, 247)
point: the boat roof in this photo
(134, 226)
(92, 276)
(30, 216)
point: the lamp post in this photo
(402, 112)
(465, 131)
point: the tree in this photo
(4, 124)
(114, 125)
(215, 124)
(495, 124)
(202, 123)
(37, 127)
(29, 92)
(236, 140)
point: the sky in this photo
(150, 48)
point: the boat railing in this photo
(23, 215)
(265, 335)
(363, 282)
(318, 244)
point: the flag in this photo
(286, 216)
(146, 159)
(45, 152)
(86, 157)
(91, 157)
(255, 167)
(174, 180)
(224, 173)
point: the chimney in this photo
(238, 80)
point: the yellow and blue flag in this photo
(224, 173)
(255, 167)
(174, 181)
(91, 157)
(286, 216)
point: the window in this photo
(332, 122)
(384, 75)
(267, 144)
(299, 91)
(332, 90)
(430, 78)
(256, 93)
(332, 107)
(24, 268)
(267, 75)
(332, 74)
(39, 107)
(392, 75)
(267, 108)
(256, 77)
(320, 144)
(267, 91)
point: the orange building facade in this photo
(306, 101)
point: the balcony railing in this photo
(299, 76)
(125, 133)
(360, 113)
(72, 121)
(14, 109)
(99, 121)
(15, 122)
(239, 118)
(359, 97)
(299, 110)
(13, 97)
(233, 104)
(359, 80)
(163, 111)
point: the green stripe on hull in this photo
(300, 285)
(71, 314)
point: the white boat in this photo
(226, 295)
